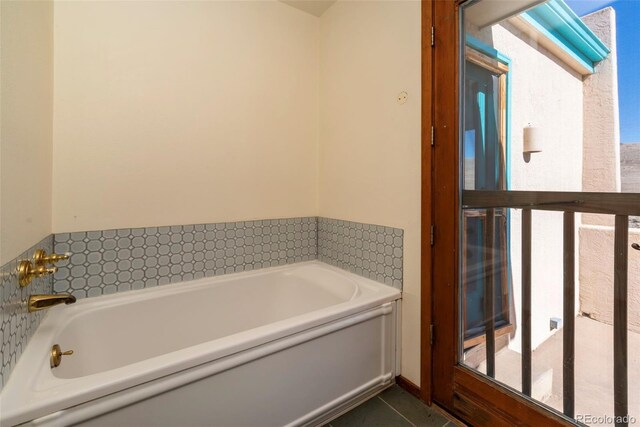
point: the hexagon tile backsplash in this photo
(17, 325)
(372, 251)
(105, 262)
(109, 261)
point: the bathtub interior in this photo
(118, 335)
(163, 335)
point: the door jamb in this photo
(426, 222)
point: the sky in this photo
(628, 34)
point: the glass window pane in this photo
(542, 127)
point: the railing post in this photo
(620, 361)
(622, 205)
(568, 335)
(526, 302)
(489, 298)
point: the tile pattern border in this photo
(372, 251)
(109, 261)
(18, 325)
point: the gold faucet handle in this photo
(56, 355)
(40, 257)
(53, 258)
(43, 271)
(27, 271)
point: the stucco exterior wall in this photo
(601, 155)
(548, 95)
(596, 275)
(601, 172)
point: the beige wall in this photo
(602, 173)
(596, 275)
(183, 112)
(26, 124)
(601, 156)
(192, 112)
(370, 144)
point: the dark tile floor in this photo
(394, 407)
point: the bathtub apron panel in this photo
(304, 379)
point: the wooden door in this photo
(473, 397)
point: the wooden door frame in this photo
(426, 213)
(459, 390)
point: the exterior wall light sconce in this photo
(532, 140)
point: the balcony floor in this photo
(593, 369)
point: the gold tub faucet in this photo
(41, 302)
(27, 271)
(40, 257)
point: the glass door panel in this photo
(549, 283)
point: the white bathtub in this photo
(291, 345)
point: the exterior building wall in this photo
(601, 155)
(601, 172)
(548, 95)
(596, 275)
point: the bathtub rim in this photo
(41, 393)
